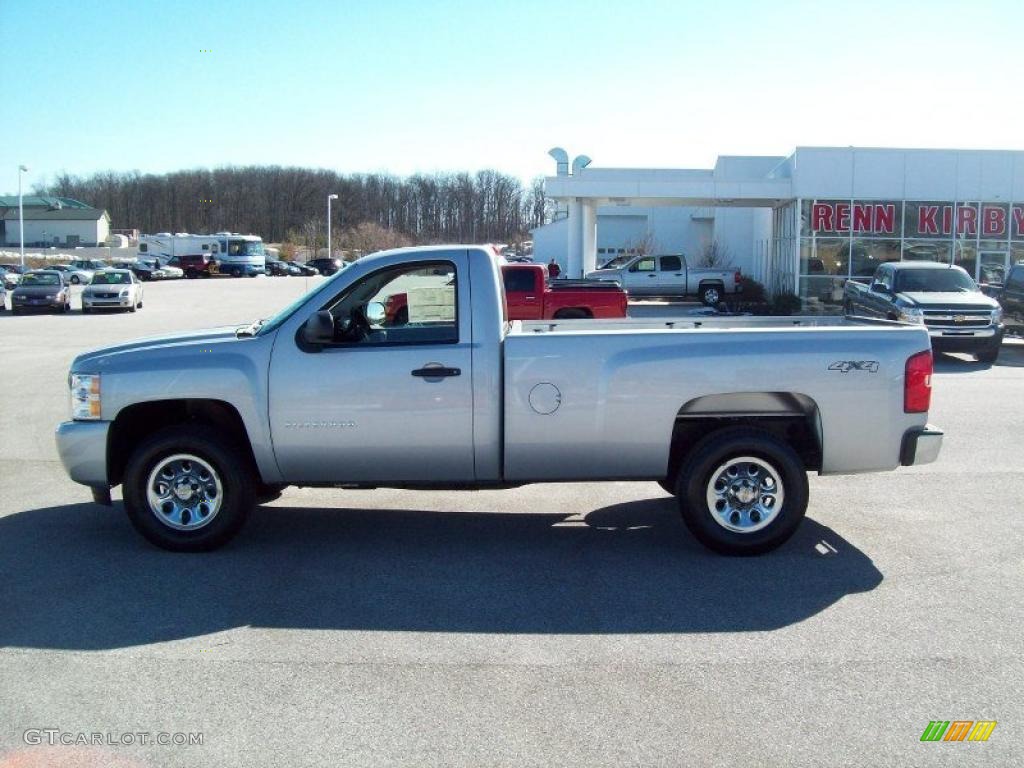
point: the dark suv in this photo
(1010, 296)
(325, 266)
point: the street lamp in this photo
(21, 215)
(330, 254)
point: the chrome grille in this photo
(943, 318)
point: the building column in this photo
(588, 237)
(574, 257)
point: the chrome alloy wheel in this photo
(184, 492)
(745, 494)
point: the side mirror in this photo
(879, 288)
(319, 328)
(375, 314)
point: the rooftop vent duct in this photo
(561, 160)
(581, 162)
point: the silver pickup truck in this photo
(669, 275)
(727, 414)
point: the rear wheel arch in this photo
(574, 313)
(791, 417)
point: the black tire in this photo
(191, 274)
(75, 279)
(695, 477)
(86, 310)
(236, 272)
(132, 308)
(15, 311)
(989, 355)
(233, 470)
(710, 294)
(572, 314)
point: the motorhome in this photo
(224, 252)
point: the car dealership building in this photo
(804, 223)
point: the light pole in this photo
(21, 215)
(329, 198)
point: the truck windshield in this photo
(618, 261)
(934, 281)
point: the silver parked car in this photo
(669, 275)
(112, 289)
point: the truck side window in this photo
(519, 280)
(671, 264)
(419, 306)
(645, 264)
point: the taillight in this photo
(917, 383)
(736, 277)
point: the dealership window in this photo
(848, 239)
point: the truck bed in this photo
(618, 394)
(683, 322)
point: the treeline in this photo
(281, 203)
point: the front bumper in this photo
(90, 302)
(82, 446)
(43, 304)
(949, 340)
(921, 445)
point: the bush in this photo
(752, 292)
(786, 304)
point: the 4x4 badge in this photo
(845, 366)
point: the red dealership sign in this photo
(990, 221)
(869, 218)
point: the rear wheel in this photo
(236, 272)
(191, 274)
(710, 295)
(187, 489)
(742, 491)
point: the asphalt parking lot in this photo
(550, 625)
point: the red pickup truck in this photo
(530, 295)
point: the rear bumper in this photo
(921, 445)
(82, 446)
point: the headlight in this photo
(124, 293)
(912, 315)
(997, 316)
(85, 396)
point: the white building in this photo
(803, 223)
(53, 221)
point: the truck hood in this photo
(603, 274)
(94, 360)
(958, 299)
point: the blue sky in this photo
(421, 86)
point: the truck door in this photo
(524, 292)
(671, 279)
(641, 277)
(390, 399)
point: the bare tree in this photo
(645, 245)
(715, 254)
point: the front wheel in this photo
(988, 355)
(742, 492)
(187, 489)
(75, 279)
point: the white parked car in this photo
(73, 275)
(112, 289)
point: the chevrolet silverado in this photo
(727, 414)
